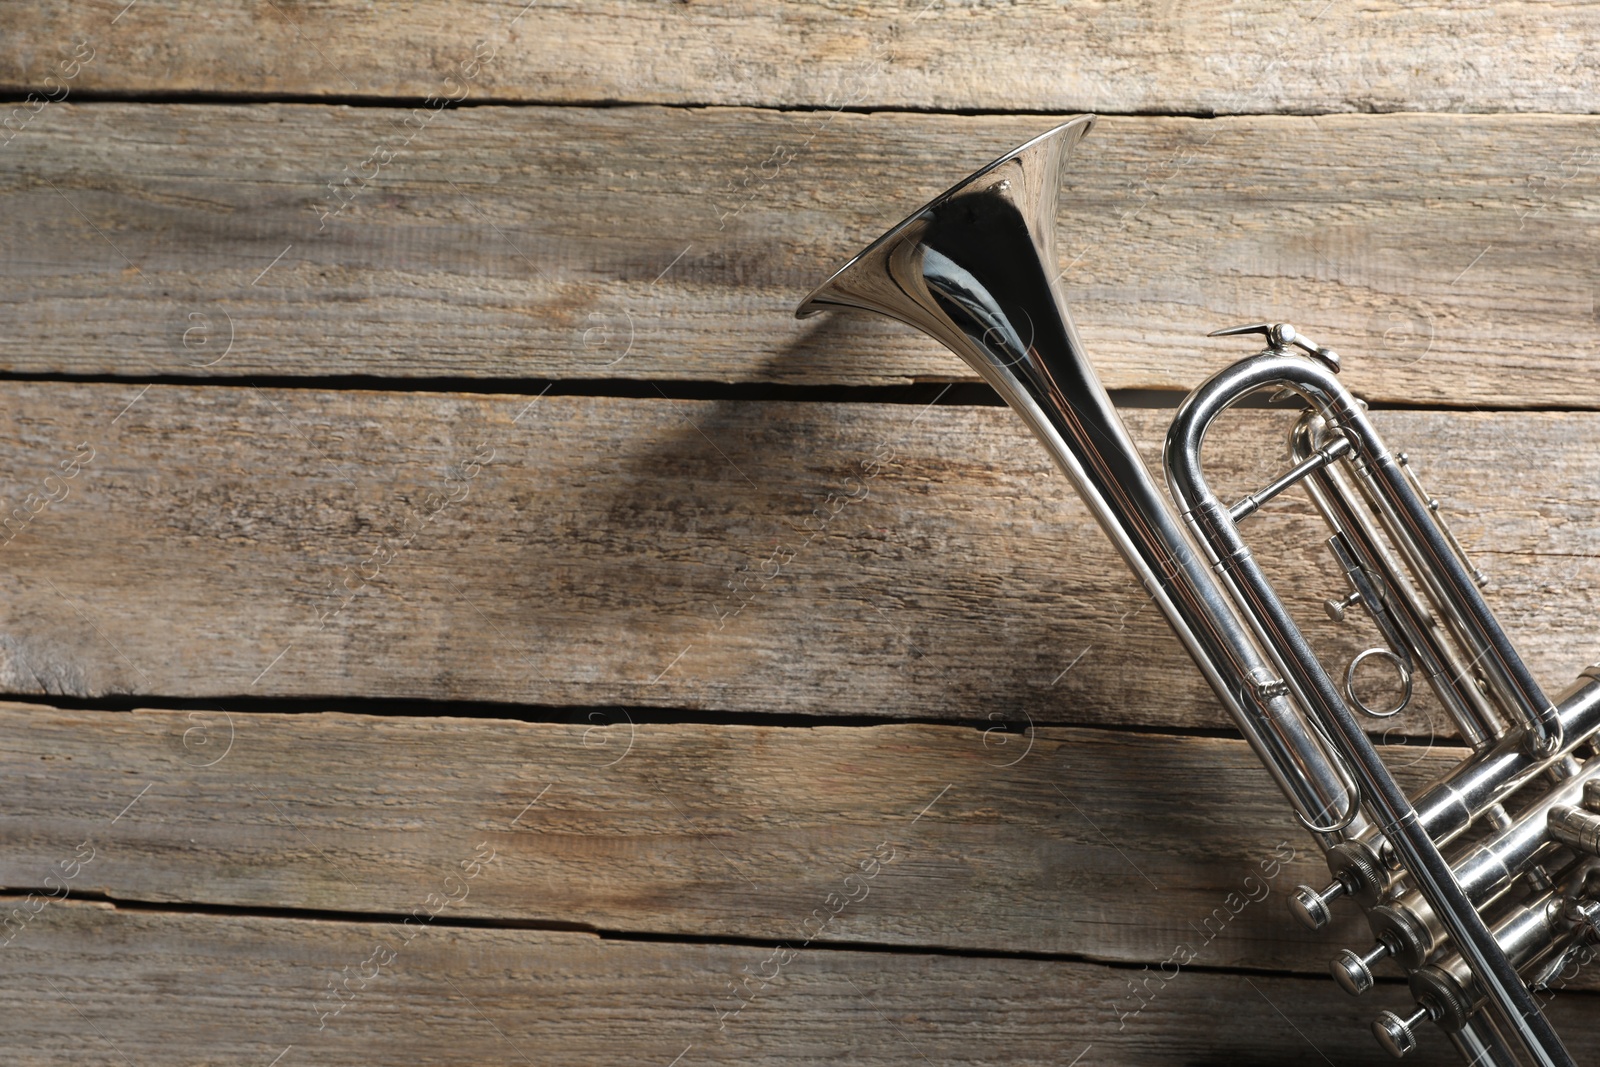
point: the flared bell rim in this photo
(1076, 127)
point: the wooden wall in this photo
(450, 612)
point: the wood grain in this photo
(1005, 839)
(890, 561)
(1446, 256)
(640, 193)
(95, 986)
(1151, 56)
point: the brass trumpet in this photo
(1474, 925)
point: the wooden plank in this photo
(1436, 251)
(1013, 840)
(1205, 57)
(98, 986)
(800, 558)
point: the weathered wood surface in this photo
(1032, 840)
(95, 986)
(1445, 255)
(823, 559)
(1153, 56)
(607, 566)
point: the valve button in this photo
(1398, 1036)
(1354, 972)
(1311, 907)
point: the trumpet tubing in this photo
(1483, 885)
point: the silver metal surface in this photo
(1388, 807)
(1576, 829)
(1405, 614)
(975, 269)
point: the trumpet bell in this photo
(941, 270)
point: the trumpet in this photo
(1487, 882)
